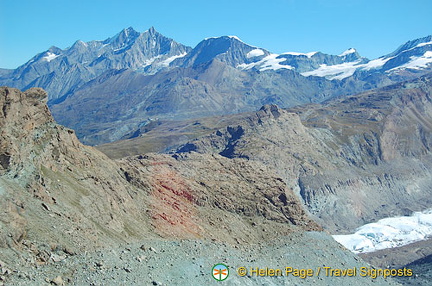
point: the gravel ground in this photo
(423, 272)
(190, 262)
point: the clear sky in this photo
(373, 27)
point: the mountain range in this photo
(107, 90)
(70, 215)
(291, 144)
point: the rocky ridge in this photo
(60, 72)
(223, 75)
(340, 155)
(62, 199)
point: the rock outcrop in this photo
(58, 194)
(52, 185)
(352, 160)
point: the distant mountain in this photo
(413, 57)
(60, 72)
(228, 49)
(121, 102)
(108, 89)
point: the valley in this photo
(139, 160)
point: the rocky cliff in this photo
(59, 197)
(52, 185)
(71, 216)
(352, 160)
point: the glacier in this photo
(389, 233)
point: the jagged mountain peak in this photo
(130, 30)
(348, 52)
(56, 69)
(417, 43)
(125, 36)
(54, 49)
(79, 46)
(228, 49)
(152, 30)
(350, 55)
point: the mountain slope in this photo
(352, 160)
(118, 103)
(227, 49)
(51, 188)
(62, 71)
(108, 89)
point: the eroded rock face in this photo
(52, 185)
(200, 195)
(352, 160)
(59, 194)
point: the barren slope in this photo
(60, 199)
(352, 160)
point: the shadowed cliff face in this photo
(56, 192)
(352, 160)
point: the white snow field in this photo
(389, 233)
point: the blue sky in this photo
(374, 28)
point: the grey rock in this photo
(164, 79)
(58, 281)
(348, 159)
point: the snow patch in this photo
(347, 52)
(122, 47)
(231, 37)
(235, 37)
(418, 62)
(424, 44)
(345, 70)
(377, 63)
(150, 61)
(339, 71)
(167, 62)
(389, 233)
(270, 62)
(255, 53)
(50, 56)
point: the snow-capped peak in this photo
(235, 37)
(347, 52)
(223, 37)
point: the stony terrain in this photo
(416, 256)
(70, 215)
(351, 160)
(189, 262)
(340, 155)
